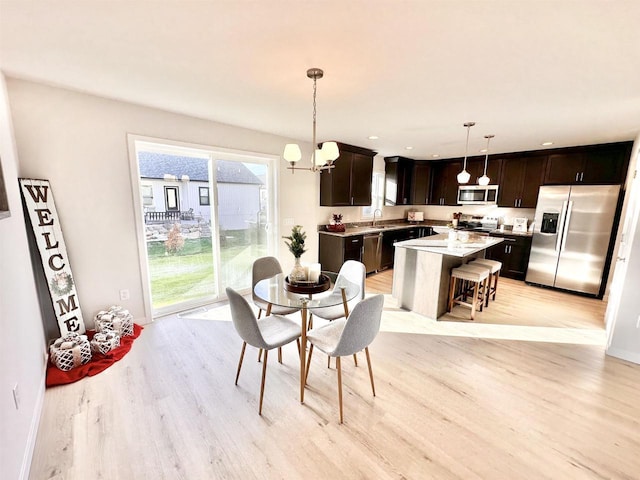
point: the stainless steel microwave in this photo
(478, 194)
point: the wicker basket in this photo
(70, 351)
(115, 319)
(104, 342)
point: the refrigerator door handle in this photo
(565, 231)
(563, 214)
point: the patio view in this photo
(187, 263)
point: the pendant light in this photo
(321, 158)
(484, 180)
(464, 176)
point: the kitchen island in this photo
(422, 270)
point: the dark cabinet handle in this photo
(581, 175)
(577, 176)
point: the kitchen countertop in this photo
(440, 244)
(435, 224)
(367, 229)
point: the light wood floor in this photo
(448, 406)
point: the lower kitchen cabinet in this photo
(335, 250)
(393, 236)
(513, 253)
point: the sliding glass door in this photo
(206, 216)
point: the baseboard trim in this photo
(624, 355)
(35, 422)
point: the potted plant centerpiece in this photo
(296, 247)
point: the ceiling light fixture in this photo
(373, 137)
(322, 158)
(546, 144)
(484, 180)
(408, 148)
(464, 176)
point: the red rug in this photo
(98, 362)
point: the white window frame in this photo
(377, 196)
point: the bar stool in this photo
(477, 276)
(496, 267)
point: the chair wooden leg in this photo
(279, 354)
(264, 375)
(355, 359)
(298, 344)
(259, 313)
(310, 324)
(244, 346)
(259, 355)
(339, 368)
(495, 285)
(328, 361)
(452, 292)
(373, 387)
(306, 371)
(474, 300)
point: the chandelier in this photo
(463, 176)
(321, 158)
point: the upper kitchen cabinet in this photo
(397, 180)
(420, 182)
(475, 167)
(444, 182)
(520, 181)
(349, 183)
(598, 164)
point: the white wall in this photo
(23, 346)
(79, 143)
(623, 311)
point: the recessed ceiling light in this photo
(546, 144)
(408, 148)
(484, 150)
(435, 155)
(373, 137)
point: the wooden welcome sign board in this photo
(38, 200)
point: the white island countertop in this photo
(442, 245)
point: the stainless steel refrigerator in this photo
(572, 232)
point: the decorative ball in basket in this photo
(104, 342)
(70, 351)
(115, 319)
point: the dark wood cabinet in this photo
(475, 167)
(349, 183)
(444, 183)
(334, 250)
(513, 253)
(420, 183)
(597, 164)
(520, 181)
(393, 236)
(397, 180)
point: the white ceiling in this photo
(411, 72)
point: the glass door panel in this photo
(243, 214)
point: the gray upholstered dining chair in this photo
(267, 267)
(354, 272)
(345, 337)
(271, 332)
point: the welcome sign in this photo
(43, 216)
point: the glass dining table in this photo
(275, 291)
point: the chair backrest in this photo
(244, 320)
(355, 272)
(361, 327)
(264, 267)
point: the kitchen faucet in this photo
(377, 210)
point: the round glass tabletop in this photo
(273, 290)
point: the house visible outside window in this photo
(147, 195)
(204, 195)
(377, 195)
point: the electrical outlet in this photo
(16, 396)
(124, 294)
(638, 322)
(288, 221)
